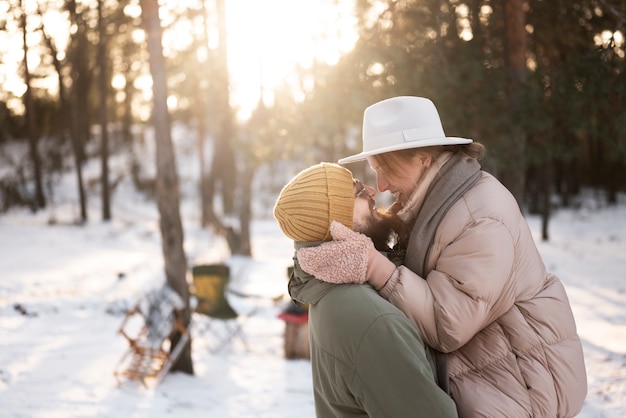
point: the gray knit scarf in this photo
(456, 176)
(453, 180)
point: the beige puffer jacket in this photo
(488, 301)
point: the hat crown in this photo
(401, 123)
(400, 119)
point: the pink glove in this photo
(349, 258)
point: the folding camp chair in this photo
(210, 289)
(153, 319)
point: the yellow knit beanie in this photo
(313, 199)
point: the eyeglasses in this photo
(362, 190)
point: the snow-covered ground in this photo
(64, 289)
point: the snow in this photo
(64, 289)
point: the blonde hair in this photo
(391, 163)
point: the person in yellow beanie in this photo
(367, 358)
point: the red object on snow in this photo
(294, 318)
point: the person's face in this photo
(364, 206)
(370, 221)
(402, 187)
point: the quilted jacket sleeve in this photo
(466, 290)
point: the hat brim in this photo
(406, 145)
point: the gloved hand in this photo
(349, 258)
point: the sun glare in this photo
(268, 40)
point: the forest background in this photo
(540, 82)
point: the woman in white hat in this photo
(472, 281)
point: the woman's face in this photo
(402, 187)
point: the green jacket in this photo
(367, 358)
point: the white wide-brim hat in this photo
(401, 123)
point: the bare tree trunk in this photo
(167, 189)
(516, 60)
(78, 109)
(80, 76)
(204, 203)
(78, 160)
(104, 150)
(29, 105)
(206, 198)
(222, 177)
(245, 212)
(546, 184)
(223, 168)
(69, 125)
(127, 117)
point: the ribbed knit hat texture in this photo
(313, 199)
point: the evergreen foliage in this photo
(570, 105)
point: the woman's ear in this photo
(425, 159)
